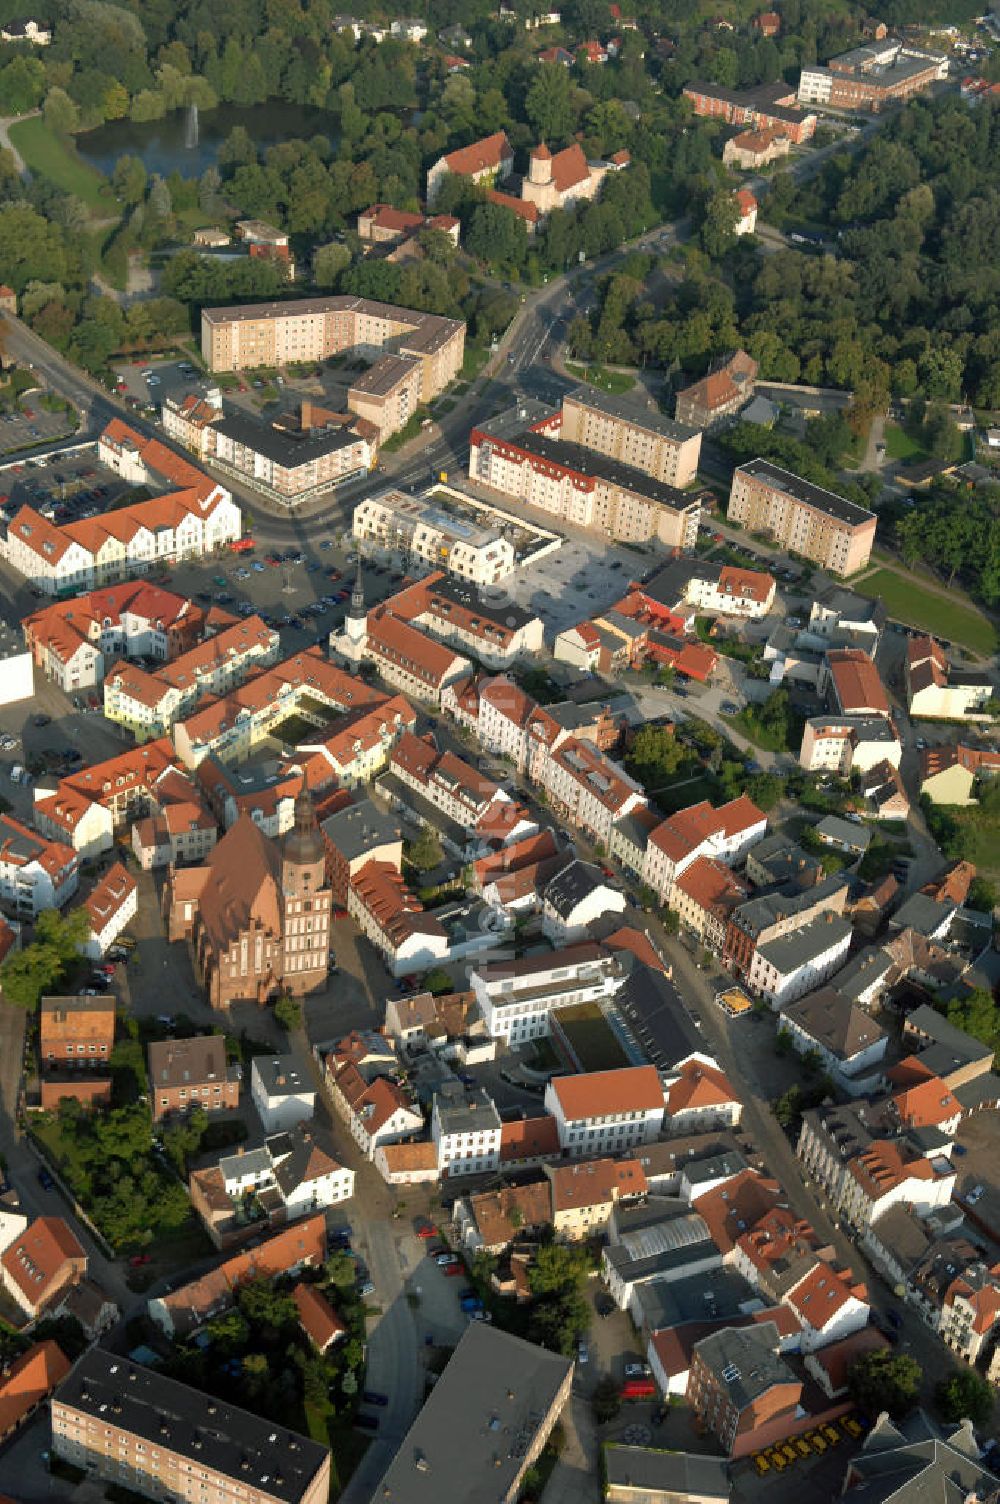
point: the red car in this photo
(455, 1271)
(339, 913)
(427, 1230)
(107, 968)
(138, 1259)
(273, 560)
(638, 1389)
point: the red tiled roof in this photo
(317, 1317)
(28, 1380)
(603, 1093)
(481, 156)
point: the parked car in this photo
(374, 1397)
(457, 1270)
(366, 1422)
(638, 1389)
(45, 1179)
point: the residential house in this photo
(195, 1072)
(27, 1382)
(949, 774)
(110, 906)
(726, 834)
(317, 1317)
(574, 899)
(41, 1264)
(283, 1091)
(465, 1130)
(585, 1194)
(848, 1042)
(36, 872)
(793, 964)
(699, 1098)
(377, 1111)
(937, 690)
(719, 395)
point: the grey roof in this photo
(759, 913)
(250, 1162)
(867, 728)
(924, 914)
(784, 860)
(844, 833)
(959, 1046)
(744, 1361)
(874, 963)
(283, 1075)
(836, 1023)
(787, 953)
(572, 885)
(804, 491)
(715, 1167)
(284, 446)
(903, 1233)
(469, 1441)
(759, 410)
(499, 609)
(631, 412)
(915, 1463)
(667, 585)
(718, 1294)
(981, 1091)
(652, 1470)
(468, 1112)
(210, 1432)
(591, 462)
(659, 1008)
(360, 828)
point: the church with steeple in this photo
(351, 641)
(257, 914)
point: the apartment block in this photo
(273, 334)
(76, 1033)
(633, 435)
(134, 1427)
(578, 484)
(186, 1073)
(806, 519)
(465, 1130)
(419, 529)
(36, 872)
(387, 394)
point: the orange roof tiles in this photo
(699, 1084)
(28, 1380)
(408, 648)
(729, 1209)
(302, 1243)
(606, 1093)
(926, 1104)
(822, 1295)
(711, 886)
(856, 680)
(595, 1182)
(317, 1317)
(482, 156)
(522, 207)
(528, 1138)
(109, 896)
(638, 943)
(36, 1262)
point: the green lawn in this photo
(609, 381)
(908, 602)
(51, 157)
(899, 445)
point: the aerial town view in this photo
(499, 736)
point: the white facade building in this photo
(606, 1112)
(283, 1091)
(791, 965)
(465, 1130)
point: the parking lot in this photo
(65, 486)
(32, 425)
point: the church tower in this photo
(355, 634)
(306, 901)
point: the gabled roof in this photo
(635, 1088)
(481, 156)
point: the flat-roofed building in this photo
(651, 1475)
(290, 464)
(488, 1417)
(421, 528)
(162, 1439)
(819, 525)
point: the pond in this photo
(188, 143)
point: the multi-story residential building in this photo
(377, 1112)
(181, 830)
(516, 998)
(832, 532)
(604, 1112)
(633, 435)
(110, 906)
(795, 963)
(704, 897)
(843, 744)
(405, 656)
(480, 811)
(186, 1073)
(758, 920)
(724, 834)
(493, 1220)
(503, 717)
(588, 789)
(770, 106)
(388, 394)
(355, 835)
(492, 1380)
(720, 394)
(419, 528)
(751, 150)
(847, 1040)
(288, 464)
(742, 1389)
(582, 486)
(76, 1033)
(970, 1311)
(130, 1425)
(585, 1194)
(73, 641)
(461, 614)
(90, 807)
(257, 914)
(392, 917)
(273, 334)
(863, 1175)
(484, 162)
(234, 726)
(686, 586)
(465, 1130)
(190, 522)
(937, 690)
(41, 1264)
(36, 872)
(282, 1090)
